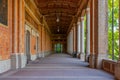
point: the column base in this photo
(47, 53)
(87, 57)
(33, 57)
(43, 54)
(39, 54)
(98, 59)
(14, 61)
(74, 54)
(82, 56)
(78, 55)
(22, 60)
(18, 60)
(92, 61)
(117, 71)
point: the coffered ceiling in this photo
(59, 13)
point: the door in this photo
(28, 45)
(37, 47)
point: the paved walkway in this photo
(57, 67)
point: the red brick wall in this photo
(5, 33)
(43, 39)
(48, 43)
(4, 42)
(33, 44)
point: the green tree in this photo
(116, 28)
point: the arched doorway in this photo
(58, 48)
(28, 45)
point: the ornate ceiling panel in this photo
(59, 13)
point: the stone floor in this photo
(57, 67)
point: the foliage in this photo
(58, 48)
(116, 28)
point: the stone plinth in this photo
(92, 61)
(117, 71)
(82, 57)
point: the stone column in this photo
(117, 66)
(74, 41)
(68, 43)
(74, 34)
(100, 32)
(78, 37)
(92, 56)
(88, 34)
(71, 41)
(82, 55)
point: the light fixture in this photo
(58, 30)
(57, 20)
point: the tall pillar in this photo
(100, 31)
(117, 66)
(82, 55)
(71, 41)
(74, 40)
(88, 34)
(91, 57)
(78, 37)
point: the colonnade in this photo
(76, 38)
(90, 41)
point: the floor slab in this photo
(57, 67)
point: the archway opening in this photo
(58, 48)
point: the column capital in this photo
(82, 18)
(74, 24)
(71, 29)
(79, 20)
(78, 23)
(88, 10)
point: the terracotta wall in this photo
(5, 33)
(12, 41)
(4, 42)
(46, 41)
(33, 44)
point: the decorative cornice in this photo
(28, 10)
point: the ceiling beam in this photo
(81, 11)
(59, 2)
